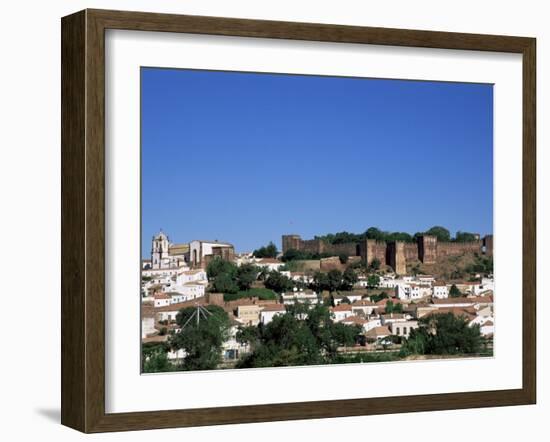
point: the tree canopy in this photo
(269, 251)
(334, 280)
(454, 292)
(201, 340)
(278, 282)
(444, 334)
(291, 340)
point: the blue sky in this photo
(245, 157)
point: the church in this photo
(166, 255)
(196, 254)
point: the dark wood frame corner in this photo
(83, 217)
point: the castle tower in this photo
(291, 242)
(396, 257)
(159, 249)
(427, 249)
(488, 245)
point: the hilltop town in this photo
(336, 299)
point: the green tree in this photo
(373, 281)
(157, 362)
(154, 357)
(379, 297)
(320, 282)
(289, 339)
(349, 279)
(375, 264)
(392, 307)
(269, 251)
(201, 339)
(443, 334)
(465, 237)
(278, 282)
(343, 258)
(334, 280)
(224, 283)
(374, 233)
(246, 275)
(441, 233)
(220, 266)
(454, 292)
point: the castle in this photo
(397, 254)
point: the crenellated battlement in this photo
(396, 254)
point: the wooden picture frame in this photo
(83, 220)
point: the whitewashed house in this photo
(403, 328)
(191, 276)
(440, 290)
(147, 326)
(487, 328)
(372, 323)
(350, 296)
(363, 306)
(269, 311)
(412, 291)
(193, 290)
(161, 300)
(270, 264)
(341, 312)
(390, 318)
(302, 296)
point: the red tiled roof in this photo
(355, 320)
(378, 331)
(450, 301)
(274, 308)
(341, 308)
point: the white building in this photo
(425, 279)
(364, 306)
(270, 264)
(412, 291)
(199, 250)
(403, 328)
(487, 328)
(440, 290)
(303, 296)
(161, 300)
(193, 290)
(341, 312)
(351, 297)
(147, 326)
(390, 318)
(301, 277)
(372, 323)
(269, 311)
(191, 276)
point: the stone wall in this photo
(457, 248)
(427, 249)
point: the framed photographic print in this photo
(267, 220)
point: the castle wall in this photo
(396, 254)
(411, 251)
(349, 248)
(458, 248)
